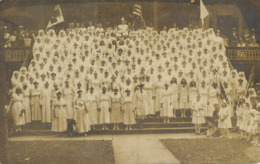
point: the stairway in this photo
(150, 126)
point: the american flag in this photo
(137, 10)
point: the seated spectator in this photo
(234, 38)
(253, 42)
(241, 43)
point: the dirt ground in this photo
(61, 152)
(213, 150)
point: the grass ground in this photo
(61, 152)
(213, 150)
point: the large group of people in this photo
(89, 76)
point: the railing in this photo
(243, 53)
(17, 54)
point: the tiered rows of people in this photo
(159, 72)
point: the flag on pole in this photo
(137, 10)
(203, 12)
(57, 17)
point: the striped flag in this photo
(203, 12)
(56, 18)
(137, 10)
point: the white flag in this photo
(56, 18)
(203, 12)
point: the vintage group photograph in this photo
(129, 82)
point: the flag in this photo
(223, 93)
(250, 82)
(251, 76)
(57, 17)
(137, 10)
(203, 12)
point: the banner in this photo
(203, 12)
(57, 17)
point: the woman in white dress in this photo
(224, 123)
(183, 97)
(35, 102)
(45, 102)
(128, 110)
(105, 108)
(92, 102)
(60, 114)
(175, 97)
(26, 102)
(166, 110)
(116, 112)
(81, 116)
(158, 86)
(140, 105)
(148, 91)
(198, 113)
(17, 109)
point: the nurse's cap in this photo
(258, 105)
(159, 75)
(91, 87)
(234, 71)
(35, 82)
(241, 74)
(128, 80)
(240, 79)
(198, 94)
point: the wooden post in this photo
(95, 13)
(3, 122)
(155, 14)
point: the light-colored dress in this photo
(60, 115)
(166, 110)
(198, 112)
(158, 86)
(68, 97)
(35, 105)
(174, 90)
(17, 108)
(183, 97)
(140, 104)
(192, 96)
(239, 112)
(148, 92)
(224, 113)
(128, 111)
(81, 117)
(92, 102)
(116, 113)
(45, 101)
(213, 99)
(246, 120)
(26, 103)
(104, 114)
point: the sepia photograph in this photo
(129, 81)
